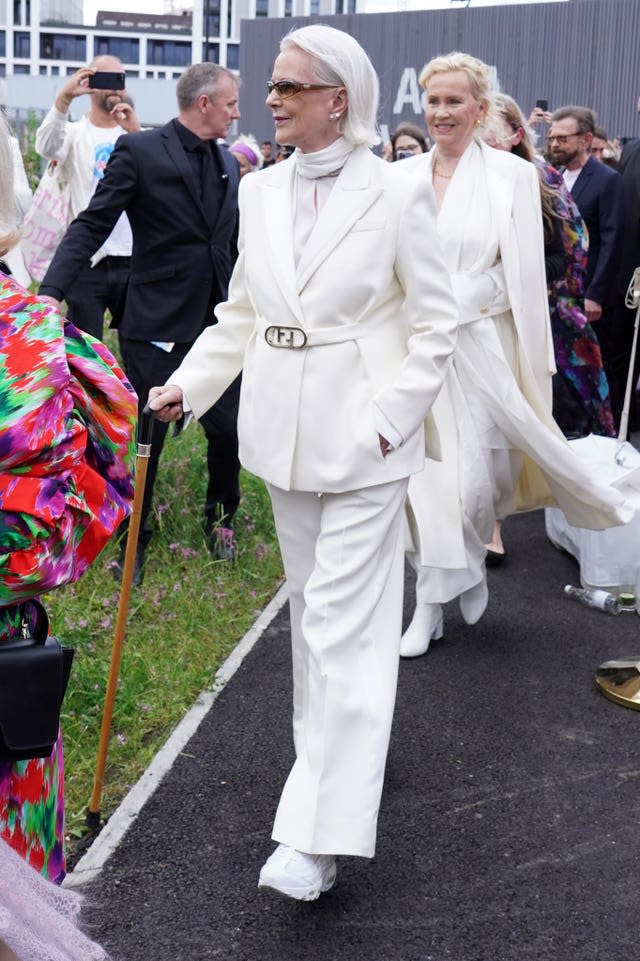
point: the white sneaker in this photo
(300, 876)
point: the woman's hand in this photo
(385, 446)
(166, 402)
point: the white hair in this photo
(247, 140)
(341, 61)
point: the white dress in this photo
(505, 379)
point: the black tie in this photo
(209, 173)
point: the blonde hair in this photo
(9, 234)
(477, 74)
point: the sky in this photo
(370, 6)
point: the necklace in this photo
(438, 173)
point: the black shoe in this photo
(495, 558)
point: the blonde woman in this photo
(490, 227)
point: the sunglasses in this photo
(291, 88)
(562, 138)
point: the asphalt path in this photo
(509, 828)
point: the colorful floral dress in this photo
(581, 401)
(67, 448)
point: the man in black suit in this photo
(179, 191)
(598, 193)
(624, 317)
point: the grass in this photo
(184, 620)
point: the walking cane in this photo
(142, 462)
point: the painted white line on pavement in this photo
(91, 863)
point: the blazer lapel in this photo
(582, 180)
(277, 196)
(350, 198)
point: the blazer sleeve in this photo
(92, 226)
(430, 311)
(611, 222)
(522, 252)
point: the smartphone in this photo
(542, 105)
(104, 80)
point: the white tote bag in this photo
(46, 221)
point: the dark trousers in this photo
(95, 290)
(147, 366)
(615, 335)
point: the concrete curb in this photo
(92, 862)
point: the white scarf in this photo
(315, 176)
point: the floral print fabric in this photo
(67, 449)
(581, 402)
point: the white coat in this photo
(373, 296)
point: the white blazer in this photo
(371, 295)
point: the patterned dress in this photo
(67, 432)
(581, 402)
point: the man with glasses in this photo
(598, 193)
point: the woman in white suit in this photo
(497, 400)
(343, 324)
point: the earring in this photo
(478, 123)
(334, 116)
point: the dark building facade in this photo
(582, 52)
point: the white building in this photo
(49, 38)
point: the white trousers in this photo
(343, 558)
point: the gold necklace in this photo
(438, 172)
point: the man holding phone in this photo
(82, 148)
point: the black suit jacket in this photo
(630, 172)
(599, 195)
(180, 263)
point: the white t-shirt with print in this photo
(120, 240)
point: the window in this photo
(262, 8)
(3, 44)
(124, 48)
(62, 46)
(287, 8)
(233, 56)
(168, 53)
(21, 45)
(21, 68)
(211, 52)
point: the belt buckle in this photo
(291, 338)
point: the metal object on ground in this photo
(620, 681)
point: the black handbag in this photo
(34, 671)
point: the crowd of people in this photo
(400, 350)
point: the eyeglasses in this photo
(291, 88)
(562, 138)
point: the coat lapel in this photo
(277, 197)
(349, 200)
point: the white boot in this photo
(425, 625)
